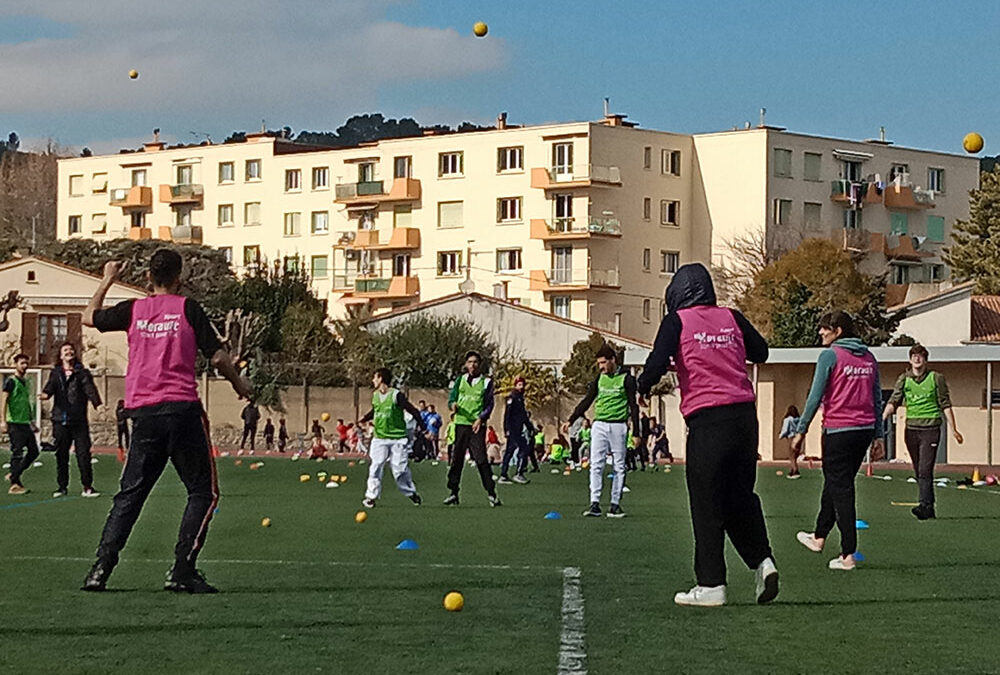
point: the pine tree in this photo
(975, 251)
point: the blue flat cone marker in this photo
(553, 515)
(407, 545)
(861, 524)
(859, 556)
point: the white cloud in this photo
(223, 58)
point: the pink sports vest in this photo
(848, 400)
(711, 360)
(161, 353)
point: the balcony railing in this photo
(563, 278)
(361, 189)
(403, 189)
(854, 193)
(372, 285)
(576, 175)
(181, 194)
(137, 196)
(567, 228)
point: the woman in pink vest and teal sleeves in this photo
(709, 346)
(846, 383)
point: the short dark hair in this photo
(473, 352)
(839, 319)
(384, 374)
(165, 267)
(606, 352)
(22, 356)
(919, 349)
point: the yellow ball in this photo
(343, 479)
(304, 478)
(480, 29)
(266, 522)
(779, 473)
(454, 602)
(133, 74)
(325, 417)
(360, 516)
(972, 142)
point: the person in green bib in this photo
(471, 400)
(924, 394)
(389, 442)
(613, 394)
(18, 416)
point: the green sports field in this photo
(317, 592)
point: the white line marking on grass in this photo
(572, 650)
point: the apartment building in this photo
(585, 220)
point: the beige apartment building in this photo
(585, 220)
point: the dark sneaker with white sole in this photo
(190, 581)
(615, 512)
(594, 510)
(494, 501)
(451, 500)
(97, 577)
(415, 498)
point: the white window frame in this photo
(254, 175)
(666, 217)
(76, 185)
(647, 310)
(325, 229)
(509, 210)
(647, 259)
(450, 227)
(506, 255)
(564, 302)
(293, 180)
(451, 164)
(292, 222)
(96, 218)
(449, 263)
(782, 217)
(184, 174)
(647, 157)
(935, 179)
(321, 178)
(406, 161)
(139, 178)
(232, 173)
(247, 222)
(223, 222)
(510, 159)
(670, 261)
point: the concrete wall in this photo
(947, 323)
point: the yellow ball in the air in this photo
(480, 29)
(266, 522)
(325, 417)
(360, 516)
(133, 74)
(972, 143)
(454, 602)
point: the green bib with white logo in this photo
(389, 420)
(921, 398)
(20, 409)
(469, 406)
(612, 401)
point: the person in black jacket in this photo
(121, 422)
(515, 417)
(250, 415)
(70, 387)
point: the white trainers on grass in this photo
(809, 540)
(766, 581)
(845, 563)
(702, 596)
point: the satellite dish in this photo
(467, 286)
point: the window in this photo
(253, 169)
(76, 186)
(291, 264)
(935, 180)
(227, 172)
(647, 208)
(185, 173)
(900, 171)
(293, 179)
(900, 274)
(99, 183)
(509, 260)
(646, 310)
(225, 215)
(99, 223)
(811, 215)
(850, 170)
(782, 163)
(318, 266)
(564, 207)
(562, 160)
(670, 162)
(402, 215)
(647, 259)
(509, 210)
(935, 273)
(138, 177)
(293, 224)
(450, 164)
(560, 306)
(320, 222)
(227, 253)
(182, 217)
(782, 211)
(138, 219)
(366, 172)
(251, 255)
(449, 263)
(898, 223)
(510, 159)
(251, 213)
(53, 329)
(647, 157)
(669, 262)
(320, 177)
(74, 224)
(401, 167)
(450, 214)
(852, 219)
(670, 212)
(935, 229)
(812, 166)
(401, 265)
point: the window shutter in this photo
(29, 335)
(74, 331)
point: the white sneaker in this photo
(59, 493)
(809, 540)
(842, 563)
(766, 580)
(90, 492)
(625, 488)
(703, 596)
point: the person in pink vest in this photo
(709, 347)
(846, 383)
(165, 333)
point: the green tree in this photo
(795, 326)
(310, 350)
(581, 367)
(975, 250)
(543, 386)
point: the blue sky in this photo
(924, 70)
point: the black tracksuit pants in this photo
(123, 436)
(721, 473)
(249, 432)
(475, 444)
(23, 450)
(517, 448)
(183, 440)
(922, 444)
(76, 434)
(843, 455)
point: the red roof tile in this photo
(985, 318)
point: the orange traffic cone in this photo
(975, 475)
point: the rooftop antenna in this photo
(202, 134)
(156, 135)
(263, 126)
(763, 114)
(881, 134)
(607, 106)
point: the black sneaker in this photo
(615, 512)
(451, 500)
(923, 512)
(415, 498)
(97, 577)
(520, 479)
(594, 510)
(494, 501)
(503, 480)
(188, 582)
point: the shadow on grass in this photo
(97, 631)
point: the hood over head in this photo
(691, 286)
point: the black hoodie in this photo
(691, 286)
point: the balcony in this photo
(400, 239)
(902, 195)
(388, 288)
(186, 234)
(572, 280)
(853, 193)
(140, 233)
(861, 241)
(563, 229)
(137, 197)
(576, 176)
(373, 192)
(181, 194)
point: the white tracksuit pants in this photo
(607, 437)
(395, 451)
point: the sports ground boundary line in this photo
(572, 638)
(21, 505)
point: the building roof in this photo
(17, 262)
(985, 318)
(935, 300)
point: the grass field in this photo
(317, 592)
